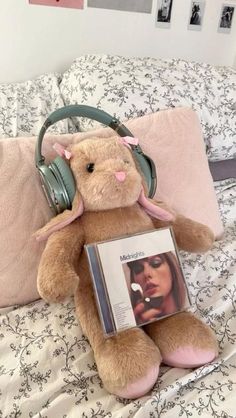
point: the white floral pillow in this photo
(25, 106)
(132, 87)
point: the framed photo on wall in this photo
(197, 10)
(226, 18)
(163, 15)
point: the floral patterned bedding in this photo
(47, 367)
(127, 87)
(130, 87)
(25, 106)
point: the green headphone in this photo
(57, 179)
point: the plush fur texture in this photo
(128, 363)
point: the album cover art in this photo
(137, 279)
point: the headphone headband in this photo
(82, 111)
(146, 164)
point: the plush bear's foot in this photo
(184, 341)
(128, 363)
(189, 357)
(141, 386)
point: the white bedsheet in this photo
(47, 368)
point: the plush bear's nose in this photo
(120, 175)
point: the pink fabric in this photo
(140, 387)
(63, 152)
(128, 140)
(171, 137)
(23, 210)
(188, 357)
(154, 210)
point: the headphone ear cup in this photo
(51, 189)
(148, 169)
(65, 178)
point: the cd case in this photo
(137, 279)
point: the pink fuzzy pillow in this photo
(172, 138)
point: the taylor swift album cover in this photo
(137, 279)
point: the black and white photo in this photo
(226, 18)
(163, 16)
(196, 15)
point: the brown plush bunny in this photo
(110, 202)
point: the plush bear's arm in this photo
(57, 277)
(190, 235)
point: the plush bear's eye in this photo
(90, 167)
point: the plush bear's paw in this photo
(128, 363)
(192, 236)
(203, 238)
(55, 287)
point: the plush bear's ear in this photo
(155, 211)
(61, 220)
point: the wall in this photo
(38, 39)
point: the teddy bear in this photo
(111, 201)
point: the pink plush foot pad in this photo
(141, 386)
(188, 357)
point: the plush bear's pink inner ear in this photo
(63, 152)
(154, 210)
(61, 220)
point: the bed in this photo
(47, 367)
